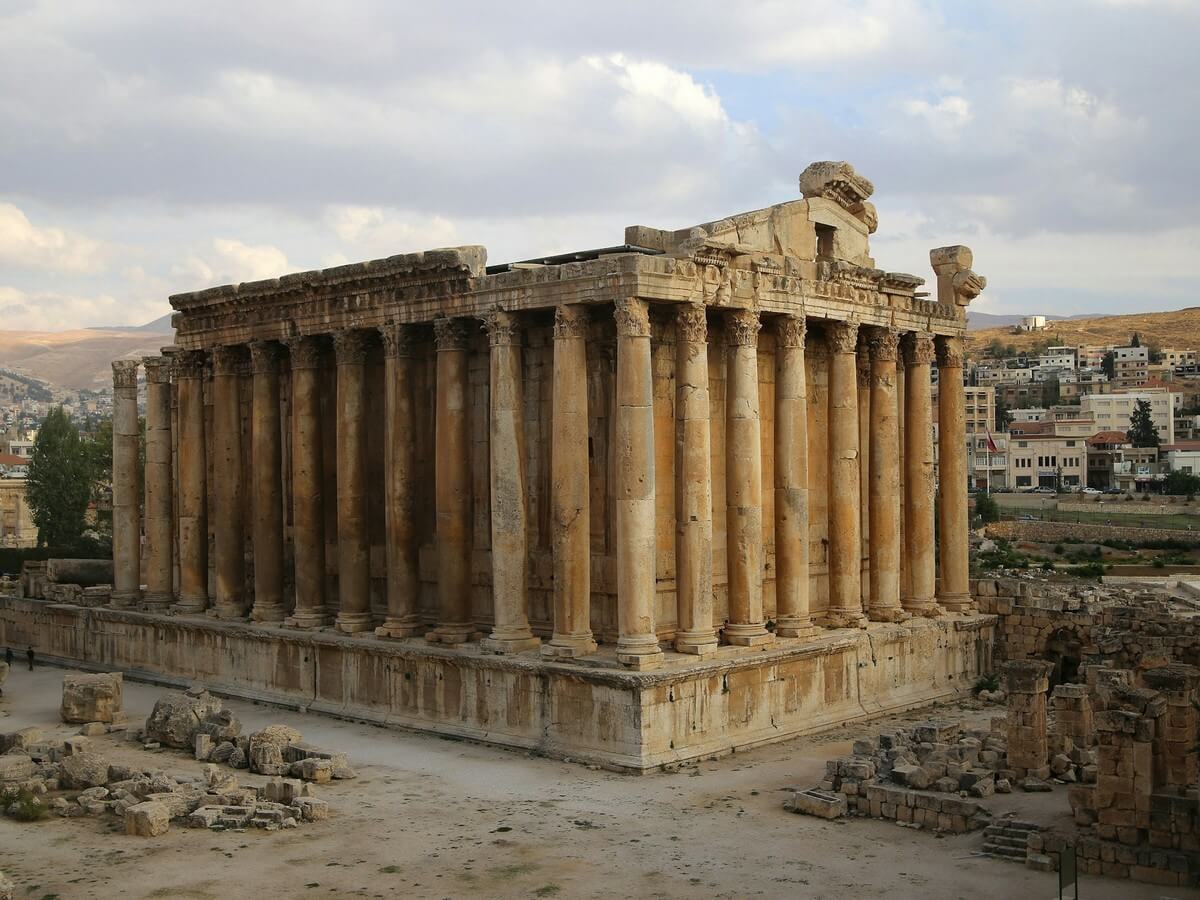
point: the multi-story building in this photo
(1130, 367)
(1058, 358)
(1046, 460)
(1176, 358)
(1021, 395)
(1112, 412)
(1182, 456)
(1090, 356)
(1073, 385)
(1028, 414)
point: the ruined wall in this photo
(1048, 532)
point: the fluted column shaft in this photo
(190, 368)
(127, 531)
(229, 539)
(452, 485)
(354, 552)
(308, 484)
(509, 491)
(902, 445)
(569, 500)
(158, 483)
(884, 498)
(693, 494)
(792, 613)
(863, 371)
(743, 484)
(845, 533)
(266, 454)
(399, 462)
(918, 477)
(954, 589)
(637, 643)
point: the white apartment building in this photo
(1046, 460)
(1057, 358)
(1111, 412)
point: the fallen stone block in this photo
(177, 716)
(818, 803)
(911, 776)
(319, 771)
(204, 817)
(77, 743)
(1033, 785)
(222, 752)
(91, 698)
(311, 809)
(22, 739)
(147, 819)
(93, 729)
(203, 747)
(83, 770)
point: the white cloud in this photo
(231, 261)
(24, 245)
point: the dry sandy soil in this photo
(75, 359)
(1178, 328)
(434, 818)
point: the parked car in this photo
(1044, 490)
(1113, 491)
(1091, 490)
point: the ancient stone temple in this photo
(633, 505)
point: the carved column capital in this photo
(125, 373)
(229, 360)
(503, 328)
(918, 348)
(570, 321)
(158, 369)
(790, 331)
(949, 352)
(306, 352)
(843, 336)
(884, 343)
(398, 340)
(741, 327)
(691, 323)
(190, 364)
(264, 357)
(350, 346)
(450, 334)
(632, 317)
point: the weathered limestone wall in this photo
(614, 718)
(1058, 531)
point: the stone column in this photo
(862, 358)
(637, 643)
(354, 551)
(1027, 681)
(266, 454)
(569, 501)
(884, 496)
(792, 615)
(126, 513)
(509, 492)
(229, 539)
(308, 501)
(743, 484)
(190, 369)
(693, 493)
(901, 444)
(399, 461)
(918, 475)
(452, 488)
(954, 592)
(158, 484)
(845, 539)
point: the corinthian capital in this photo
(742, 327)
(264, 357)
(503, 328)
(190, 364)
(918, 348)
(790, 331)
(949, 352)
(158, 369)
(229, 360)
(397, 340)
(306, 352)
(883, 343)
(633, 317)
(570, 321)
(125, 373)
(843, 336)
(350, 347)
(450, 334)
(691, 323)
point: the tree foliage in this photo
(1004, 416)
(987, 508)
(1108, 365)
(1142, 432)
(59, 482)
(1182, 483)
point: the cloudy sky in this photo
(149, 148)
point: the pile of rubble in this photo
(195, 720)
(70, 779)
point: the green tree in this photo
(1142, 432)
(1004, 416)
(59, 482)
(1108, 365)
(1135, 340)
(1182, 483)
(987, 508)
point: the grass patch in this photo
(390, 870)
(514, 871)
(547, 890)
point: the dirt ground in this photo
(434, 818)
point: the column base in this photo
(805, 628)
(955, 603)
(401, 627)
(454, 634)
(225, 612)
(888, 614)
(267, 612)
(190, 606)
(925, 609)
(843, 618)
(125, 599)
(508, 644)
(157, 601)
(569, 646)
(639, 652)
(308, 620)
(354, 622)
(697, 643)
(748, 635)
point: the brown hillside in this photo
(74, 359)
(1178, 329)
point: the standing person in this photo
(8, 657)
(29, 656)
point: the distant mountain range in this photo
(1179, 328)
(161, 325)
(977, 321)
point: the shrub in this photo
(1058, 548)
(988, 682)
(23, 805)
(987, 508)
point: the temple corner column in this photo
(953, 534)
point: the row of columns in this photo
(868, 489)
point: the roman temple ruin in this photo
(631, 506)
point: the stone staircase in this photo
(1007, 839)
